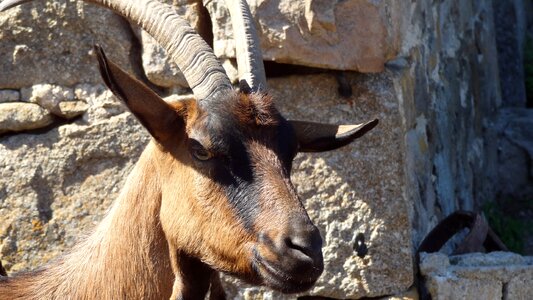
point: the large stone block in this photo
(460, 288)
(50, 42)
(332, 34)
(18, 116)
(519, 287)
(495, 275)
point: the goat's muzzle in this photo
(290, 262)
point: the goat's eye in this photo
(200, 153)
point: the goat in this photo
(210, 193)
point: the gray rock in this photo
(343, 35)
(9, 96)
(411, 294)
(18, 116)
(490, 259)
(230, 65)
(434, 263)
(461, 288)
(47, 95)
(448, 97)
(519, 287)
(520, 132)
(158, 68)
(56, 99)
(478, 276)
(102, 104)
(71, 109)
(51, 42)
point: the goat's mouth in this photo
(276, 276)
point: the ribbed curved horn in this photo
(191, 53)
(247, 46)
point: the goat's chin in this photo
(281, 282)
(273, 276)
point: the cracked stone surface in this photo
(495, 275)
(49, 42)
(333, 34)
(19, 116)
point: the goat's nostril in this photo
(308, 243)
(297, 244)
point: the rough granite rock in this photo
(519, 287)
(58, 100)
(332, 34)
(19, 116)
(47, 95)
(495, 275)
(158, 68)
(442, 288)
(434, 263)
(411, 294)
(496, 258)
(102, 103)
(51, 41)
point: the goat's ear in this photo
(318, 137)
(158, 117)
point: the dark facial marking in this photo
(287, 144)
(229, 165)
(231, 130)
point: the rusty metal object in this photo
(480, 238)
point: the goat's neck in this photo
(126, 257)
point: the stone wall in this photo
(433, 83)
(494, 276)
(449, 95)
